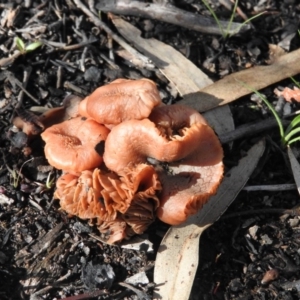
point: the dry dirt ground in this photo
(44, 254)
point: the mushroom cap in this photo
(188, 184)
(173, 135)
(28, 127)
(72, 145)
(121, 100)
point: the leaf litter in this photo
(55, 271)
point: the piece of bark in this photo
(177, 68)
(171, 14)
(45, 242)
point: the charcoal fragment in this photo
(96, 275)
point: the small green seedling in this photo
(226, 31)
(16, 175)
(49, 181)
(14, 178)
(25, 49)
(289, 135)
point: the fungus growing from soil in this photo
(122, 192)
(181, 137)
(72, 145)
(32, 124)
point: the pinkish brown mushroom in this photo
(172, 135)
(72, 145)
(121, 100)
(180, 136)
(32, 124)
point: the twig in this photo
(249, 129)
(145, 60)
(14, 80)
(71, 86)
(271, 188)
(59, 77)
(140, 294)
(82, 59)
(27, 72)
(280, 211)
(169, 14)
(7, 61)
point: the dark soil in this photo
(44, 254)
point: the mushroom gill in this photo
(111, 199)
(121, 100)
(78, 197)
(72, 145)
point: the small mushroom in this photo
(180, 136)
(72, 145)
(32, 124)
(28, 122)
(57, 115)
(113, 231)
(121, 100)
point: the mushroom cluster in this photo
(127, 158)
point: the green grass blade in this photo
(291, 134)
(215, 17)
(297, 83)
(294, 140)
(295, 122)
(248, 21)
(231, 17)
(269, 105)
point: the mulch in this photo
(44, 254)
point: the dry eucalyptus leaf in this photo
(230, 88)
(178, 69)
(177, 258)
